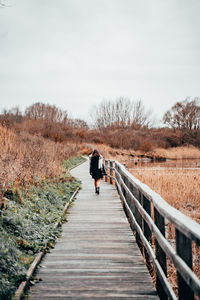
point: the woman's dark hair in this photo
(95, 153)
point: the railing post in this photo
(106, 164)
(160, 254)
(132, 190)
(128, 198)
(117, 176)
(124, 192)
(139, 221)
(131, 202)
(184, 250)
(147, 231)
(111, 171)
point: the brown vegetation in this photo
(180, 188)
(34, 143)
(184, 152)
(23, 157)
(122, 124)
(32, 146)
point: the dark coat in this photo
(95, 171)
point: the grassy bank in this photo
(27, 224)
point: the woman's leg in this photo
(97, 183)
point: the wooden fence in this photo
(149, 215)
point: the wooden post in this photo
(139, 221)
(106, 164)
(184, 250)
(123, 190)
(116, 176)
(124, 193)
(160, 254)
(128, 199)
(114, 173)
(147, 231)
(111, 171)
(131, 203)
(132, 190)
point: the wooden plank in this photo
(97, 255)
(93, 293)
(94, 296)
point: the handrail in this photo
(186, 225)
(148, 212)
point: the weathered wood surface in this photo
(97, 256)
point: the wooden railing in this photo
(149, 216)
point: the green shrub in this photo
(74, 161)
(27, 227)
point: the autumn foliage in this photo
(34, 143)
(25, 156)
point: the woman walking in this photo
(97, 170)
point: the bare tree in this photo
(11, 116)
(112, 113)
(80, 124)
(46, 112)
(141, 117)
(184, 115)
(121, 113)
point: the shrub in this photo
(29, 227)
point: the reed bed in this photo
(185, 152)
(180, 188)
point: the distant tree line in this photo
(120, 123)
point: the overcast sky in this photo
(74, 53)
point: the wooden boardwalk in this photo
(97, 256)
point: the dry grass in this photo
(189, 152)
(23, 157)
(113, 153)
(180, 188)
(124, 155)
